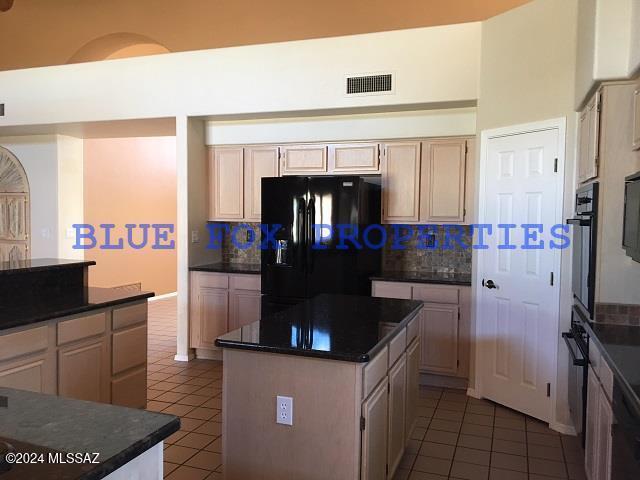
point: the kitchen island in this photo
(73, 439)
(347, 365)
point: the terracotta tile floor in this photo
(457, 437)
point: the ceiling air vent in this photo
(370, 84)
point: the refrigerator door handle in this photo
(310, 232)
(301, 231)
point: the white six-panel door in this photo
(518, 320)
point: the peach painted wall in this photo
(131, 180)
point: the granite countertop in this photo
(39, 264)
(247, 268)
(338, 327)
(424, 277)
(620, 348)
(67, 303)
(118, 434)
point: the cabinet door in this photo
(401, 182)
(34, 373)
(439, 339)
(589, 141)
(374, 434)
(213, 315)
(259, 162)
(244, 308)
(591, 453)
(442, 188)
(83, 370)
(303, 159)
(226, 182)
(605, 422)
(397, 412)
(636, 118)
(413, 386)
(354, 158)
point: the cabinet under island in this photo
(349, 367)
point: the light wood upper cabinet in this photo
(374, 435)
(259, 162)
(443, 181)
(226, 183)
(439, 338)
(401, 182)
(303, 159)
(636, 118)
(397, 411)
(589, 140)
(354, 158)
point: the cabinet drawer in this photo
(129, 315)
(375, 371)
(391, 290)
(397, 346)
(245, 282)
(413, 329)
(81, 327)
(213, 280)
(23, 342)
(129, 349)
(130, 389)
(435, 294)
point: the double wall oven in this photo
(585, 231)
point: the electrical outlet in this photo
(195, 236)
(284, 410)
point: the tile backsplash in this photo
(412, 259)
(618, 314)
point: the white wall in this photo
(70, 193)
(608, 43)
(528, 74)
(431, 65)
(423, 123)
(39, 157)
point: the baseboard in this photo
(431, 380)
(163, 296)
(472, 392)
(206, 354)
(184, 358)
(563, 428)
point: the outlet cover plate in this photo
(284, 410)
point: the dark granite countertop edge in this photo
(112, 464)
(628, 391)
(39, 268)
(434, 280)
(74, 311)
(346, 357)
(239, 268)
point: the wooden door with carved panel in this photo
(14, 209)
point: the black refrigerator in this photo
(303, 259)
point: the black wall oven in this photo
(577, 341)
(631, 232)
(585, 232)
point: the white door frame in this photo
(559, 124)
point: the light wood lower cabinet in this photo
(98, 357)
(219, 303)
(413, 386)
(374, 435)
(83, 370)
(397, 411)
(445, 324)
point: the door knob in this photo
(489, 284)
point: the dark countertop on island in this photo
(620, 348)
(67, 303)
(39, 264)
(442, 278)
(220, 267)
(118, 434)
(337, 327)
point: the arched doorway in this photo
(15, 225)
(117, 45)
